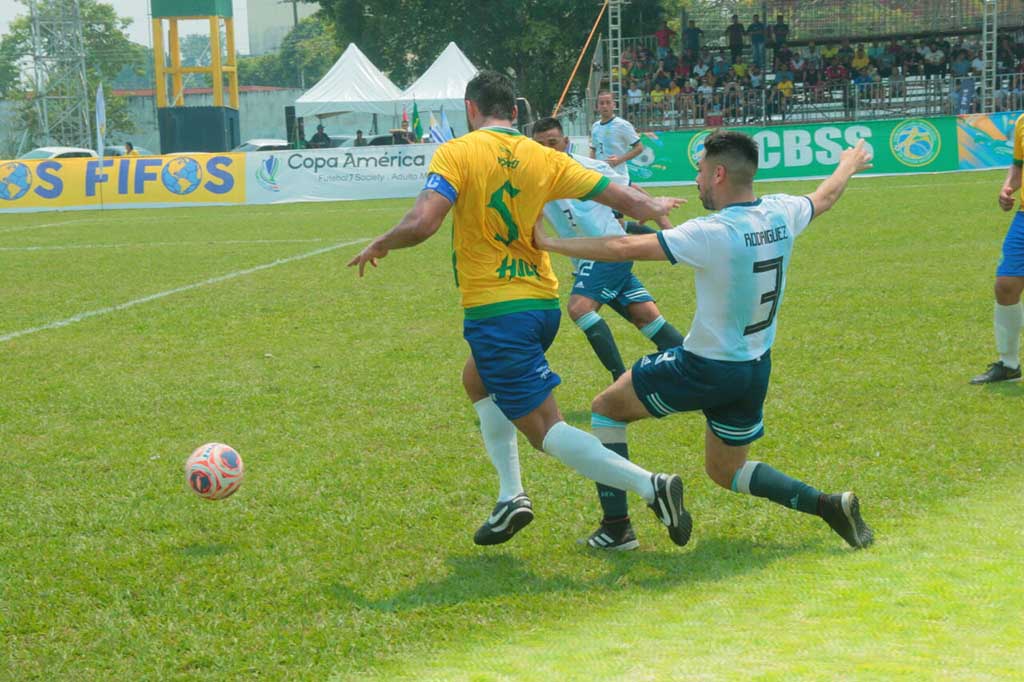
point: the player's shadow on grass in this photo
(1007, 389)
(479, 577)
(200, 551)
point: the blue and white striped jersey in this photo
(616, 137)
(573, 218)
(740, 255)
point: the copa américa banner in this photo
(338, 174)
(122, 182)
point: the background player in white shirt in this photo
(613, 139)
(596, 284)
(740, 255)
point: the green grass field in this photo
(347, 553)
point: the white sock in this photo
(584, 453)
(1008, 319)
(500, 440)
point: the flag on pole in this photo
(405, 115)
(101, 119)
(436, 134)
(417, 125)
(446, 127)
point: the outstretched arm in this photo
(851, 161)
(624, 248)
(418, 225)
(637, 204)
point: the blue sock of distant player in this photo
(663, 334)
(584, 452)
(761, 480)
(601, 340)
(612, 435)
(501, 444)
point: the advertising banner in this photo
(907, 146)
(122, 182)
(333, 174)
(986, 140)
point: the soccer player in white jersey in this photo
(613, 139)
(740, 255)
(596, 284)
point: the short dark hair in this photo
(736, 151)
(493, 93)
(549, 123)
(359, 132)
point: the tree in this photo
(307, 53)
(535, 41)
(107, 51)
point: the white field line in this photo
(170, 292)
(39, 226)
(124, 245)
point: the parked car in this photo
(118, 150)
(342, 140)
(262, 145)
(59, 153)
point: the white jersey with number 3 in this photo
(613, 138)
(740, 255)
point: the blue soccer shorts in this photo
(609, 283)
(509, 355)
(1012, 263)
(731, 394)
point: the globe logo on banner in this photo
(695, 150)
(15, 181)
(915, 142)
(182, 175)
(266, 174)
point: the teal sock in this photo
(760, 480)
(663, 334)
(612, 435)
(633, 227)
(601, 340)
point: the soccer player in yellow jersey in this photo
(1009, 316)
(498, 182)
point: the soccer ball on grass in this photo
(214, 471)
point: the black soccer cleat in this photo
(507, 519)
(614, 537)
(997, 371)
(668, 507)
(842, 513)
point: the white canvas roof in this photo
(444, 83)
(353, 84)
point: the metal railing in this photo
(734, 105)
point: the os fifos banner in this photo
(123, 182)
(333, 174)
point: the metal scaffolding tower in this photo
(615, 49)
(989, 54)
(62, 91)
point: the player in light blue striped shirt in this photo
(740, 255)
(596, 284)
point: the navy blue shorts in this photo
(731, 394)
(1012, 263)
(509, 355)
(609, 283)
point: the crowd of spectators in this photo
(754, 70)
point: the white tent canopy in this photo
(444, 83)
(353, 85)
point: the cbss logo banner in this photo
(123, 181)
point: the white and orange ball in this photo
(214, 471)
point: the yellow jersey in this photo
(1018, 147)
(499, 181)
